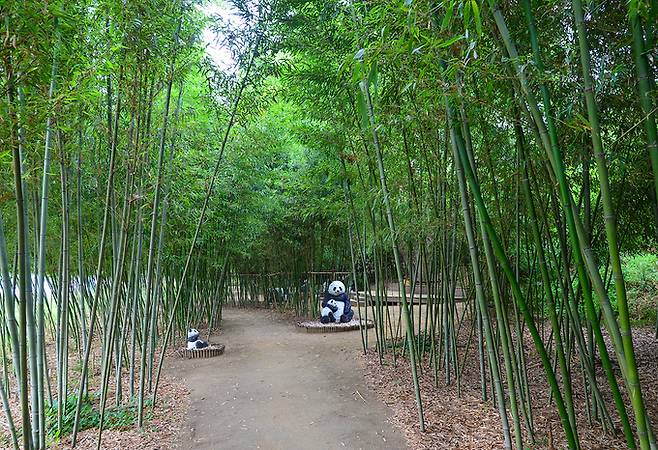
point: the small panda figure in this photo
(333, 310)
(193, 341)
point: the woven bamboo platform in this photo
(208, 352)
(315, 326)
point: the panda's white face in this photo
(336, 288)
(192, 333)
(332, 302)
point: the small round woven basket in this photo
(315, 326)
(208, 352)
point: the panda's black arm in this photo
(346, 300)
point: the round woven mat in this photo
(315, 326)
(208, 352)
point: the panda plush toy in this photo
(193, 341)
(333, 311)
(335, 297)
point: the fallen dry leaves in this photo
(160, 431)
(462, 420)
(161, 424)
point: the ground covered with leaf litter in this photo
(461, 420)
(161, 424)
(160, 431)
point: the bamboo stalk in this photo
(150, 298)
(99, 269)
(611, 234)
(398, 265)
(23, 270)
(518, 296)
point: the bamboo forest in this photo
(196, 196)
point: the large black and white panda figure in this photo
(193, 341)
(336, 306)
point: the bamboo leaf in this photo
(450, 41)
(363, 110)
(447, 17)
(476, 16)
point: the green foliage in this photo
(641, 272)
(279, 178)
(641, 276)
(121, 417)
(89, 417)
(423, 343)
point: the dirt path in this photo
(278, 387)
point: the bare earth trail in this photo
(278, 387)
